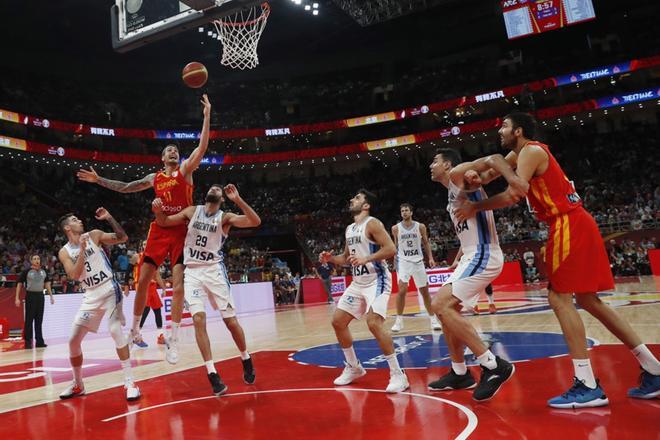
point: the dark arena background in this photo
(304, 103)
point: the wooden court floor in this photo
(296, 358)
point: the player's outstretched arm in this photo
(192, 163)
(167, 221)
(249, 218)
(100, 237)
(92, 176)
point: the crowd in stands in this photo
(618, 185)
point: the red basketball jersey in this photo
(552, 194)
(173, 190)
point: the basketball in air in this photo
(195, 75)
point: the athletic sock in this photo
(491, 299)
(460, 369)
(136, 324)
(584, 373)
(646, 359)
(351, 357)
(488, 360)
(175, 330)
(245, 355)
(128, 371)
(393, 362)
(210, 368)
(77, 375)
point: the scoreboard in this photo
(527, 17)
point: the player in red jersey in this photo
(174, 186)
(576, 259)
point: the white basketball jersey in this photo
(477, 230)
(203, 245)
(360, 246)
(409, 243)
(97, 270)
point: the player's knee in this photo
(587, 301)
(199, 319)
(338, 323)
(442, 303)
(232, 324)
(559, 302)
(117, 334)
(374, 322)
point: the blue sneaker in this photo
(580, 396)
(649, 386)
(140, 343)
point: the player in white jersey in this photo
(481, 263)
(84, 260)
(205, 276)
(367, 247)
(409, 236)
(492, 308)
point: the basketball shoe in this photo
(453, 381)
(350, 374)
(492, 380)
(580, 396)
(73, 390)
(649, 386)
(219, 387)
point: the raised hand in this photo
(231, 192)
(102, 214)
(88, 175)
(207, 105)
(325, 257)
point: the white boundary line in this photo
(469, 429)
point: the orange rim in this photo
(265, 12)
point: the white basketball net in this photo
(239, 35)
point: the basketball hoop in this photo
(240, 33)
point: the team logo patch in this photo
(430, 350)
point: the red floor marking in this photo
(28, 375)
(518, 410)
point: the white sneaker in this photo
(72, 390)
(350, 374)
(132, 391)
(398, 383)
(171, 350)
(435, 323)
(398, 325)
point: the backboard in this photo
(136, 23)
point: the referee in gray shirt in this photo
(35, 280)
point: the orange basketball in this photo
(194, 75)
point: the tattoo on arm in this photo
(119, 234)
(128, 187)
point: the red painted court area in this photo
(299, 401)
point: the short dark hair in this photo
(450, 154)
(369, 197)
(171, 144)
(525, 121)
(406, 205)
(64, 220)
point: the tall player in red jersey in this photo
(174, 186)
(576, 259)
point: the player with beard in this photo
(205, 274)
(577, 264)
(174, 187)
(367, 247)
